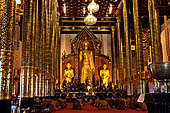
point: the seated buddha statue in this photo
(104, 74)
(86, 60)
(68, 73)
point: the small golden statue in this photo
(104, 73)
(68, 73)
(86, 59)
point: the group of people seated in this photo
(48, 105)
(103, 100)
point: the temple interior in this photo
(105, 56)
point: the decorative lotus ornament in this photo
(93, 7)
(90, 19)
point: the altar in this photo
(86, 61)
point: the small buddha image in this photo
(104, 74)
(68, 73)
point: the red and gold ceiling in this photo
(74, 8)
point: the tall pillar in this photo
(166, 35)
(7, 34)
(37, 47)
(128, 46)
(54, 46)
(156, 26)
(48, 48)
(58, 54)
(155, 31)
(27, 49)
(157, 41)
(114, 61)
(150, 10)
(40, 47)
(139, 44)
(50, 45)
(43, 53)
(55, 67)
(34, 59)
(120, 53)
(27, 69)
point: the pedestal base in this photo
(157, 102)
(5, 106)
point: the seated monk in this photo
(109, 101)
(61, 102)
(103, 105)
(77, 105)
(97, 101)
(57, 104)
(123, 104)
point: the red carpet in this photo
(88, 108)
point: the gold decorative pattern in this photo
(7, 33)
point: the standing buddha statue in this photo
(86, 60)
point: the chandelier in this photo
(90, 19)
(92, 8)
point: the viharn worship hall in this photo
(84, 56)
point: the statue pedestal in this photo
(157, 102)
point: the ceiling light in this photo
(84, 10)
(93, 7)
(64, 8)
(110, 9)
(18, 1)
(107, 14)
(90, 19)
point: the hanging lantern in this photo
(90, 19)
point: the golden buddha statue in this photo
(104, 74)
(68, 73)
(86, 59)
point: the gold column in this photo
(58, 55)
(157, 39)
(54, 46)
(27, 71)
(50, 43)
(120, 52)
(155, 31)
(7, 34)
(128, 45)
(139, 44)
(33, 60)
(37, 70)
(151, 29)
(114, 62)
(43, 26)
(40, 48)
(166, 35)
(57, 52)
(47, 44)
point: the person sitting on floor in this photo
(77, 105)
(97, 101)
(103, 105)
